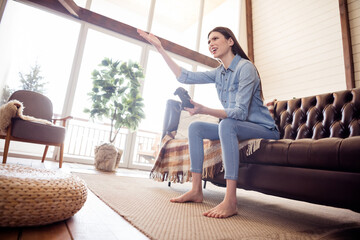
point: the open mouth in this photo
(213, 50)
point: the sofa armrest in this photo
(172, 116)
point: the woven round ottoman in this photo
(30, 196)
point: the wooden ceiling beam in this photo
(71, 6)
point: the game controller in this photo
(185, 98)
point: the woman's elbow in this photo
(237, 114)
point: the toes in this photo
(176, 200)
(218, 213)
(211, 213)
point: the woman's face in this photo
(218, 45)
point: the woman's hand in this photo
(198, 108)
(151, 38)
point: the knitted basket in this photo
(30, 196)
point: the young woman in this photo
(244, 116)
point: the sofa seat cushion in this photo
(335, 154)
(39, 132)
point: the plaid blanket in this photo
(173, 161)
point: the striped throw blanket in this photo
(173, 161)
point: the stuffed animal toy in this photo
(7, 112)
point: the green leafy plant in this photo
(115, 95)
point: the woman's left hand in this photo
(198, 108)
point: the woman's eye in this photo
(213, 39)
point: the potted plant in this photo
(115, 96)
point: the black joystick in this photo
(185, 98)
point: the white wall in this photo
(354, 18)
(298, 47)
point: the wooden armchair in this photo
(37, 106)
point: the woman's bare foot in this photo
(190, 196)
(224, 210)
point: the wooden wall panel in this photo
(298, 47)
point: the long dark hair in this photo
(236, 49)
(227, 33)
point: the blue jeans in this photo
(230, 132)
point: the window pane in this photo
(223, 13)
(177, 21)
(160, 85)
(98, 46)
(27, 40)
(33, 39)
(86, 135)
(132, 12)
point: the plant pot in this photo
(107, 157)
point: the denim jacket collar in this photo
(233, 63)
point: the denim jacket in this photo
(238, 89)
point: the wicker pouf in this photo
(30, 196)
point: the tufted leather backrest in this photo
(322, 116)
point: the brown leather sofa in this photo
(317, 158)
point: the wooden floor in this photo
(94, 221)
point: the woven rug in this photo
(145, 204)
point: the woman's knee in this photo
(194, 127)
(203, 130)
(226, 127)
